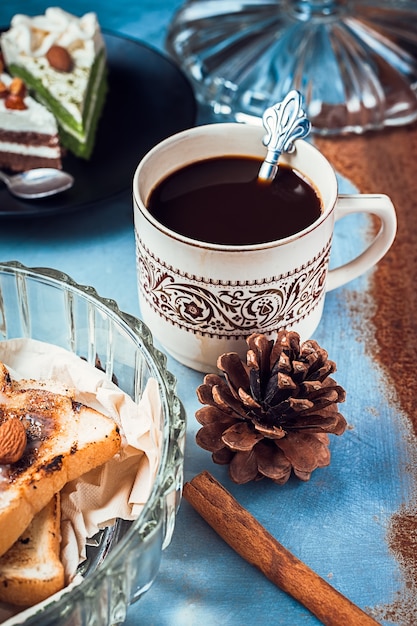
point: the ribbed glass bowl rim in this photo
(170, 402)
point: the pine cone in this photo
(273, 414)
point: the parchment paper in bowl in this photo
(121, 487)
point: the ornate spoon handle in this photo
(284, 122)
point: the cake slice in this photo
(31, 570)
(62, 59)
(28, 131)
(46, 440)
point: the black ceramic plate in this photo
(149, 99)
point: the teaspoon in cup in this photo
(37, 183)
(284, 122)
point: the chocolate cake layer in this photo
(28, 138)
(21, 162)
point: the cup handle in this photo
(374, 204)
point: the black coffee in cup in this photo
(222, 201)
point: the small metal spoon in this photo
(284, 122)
(37, 183)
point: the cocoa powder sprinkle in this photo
(384, 162)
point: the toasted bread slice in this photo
(65, 439)
(31, 570)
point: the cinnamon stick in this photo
(253, 542)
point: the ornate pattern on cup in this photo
(219, 309)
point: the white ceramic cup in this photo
(201, 299)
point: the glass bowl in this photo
(47, 305)
(355, 63)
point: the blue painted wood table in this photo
(338, 523)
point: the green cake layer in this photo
(76, 136)
(70, 141)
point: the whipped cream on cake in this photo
(62, 58)
(28, 131)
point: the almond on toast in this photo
(65, 439)
(31, 570)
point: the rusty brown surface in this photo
(386, 162)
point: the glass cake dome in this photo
(355, 63)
